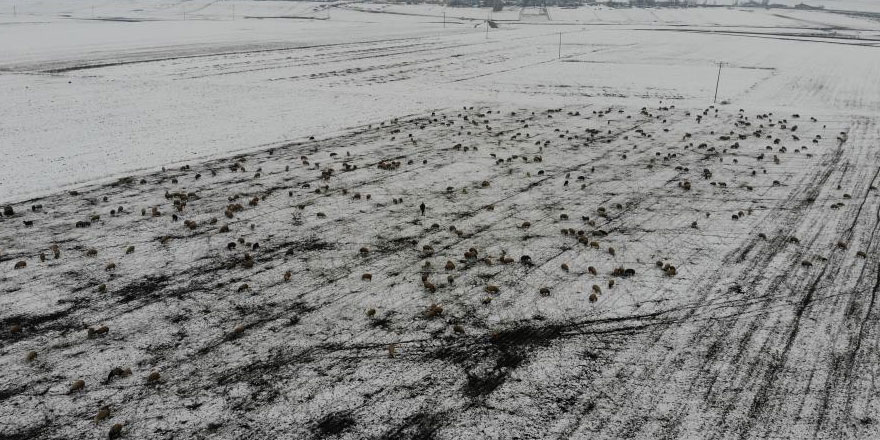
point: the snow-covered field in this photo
(317, 220)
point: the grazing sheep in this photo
(77, 385)
(564, 267)
(153, 377)
(118, 372)
(492, 289)
(20, 265)
(367, 277)
(592, 270)
(544, 291)
(433, 310)
(594, 297)
(115, 431)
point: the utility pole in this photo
(444, 19)
(560, 45)
(717, 82)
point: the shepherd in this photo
(422, 208)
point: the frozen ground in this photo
(282, 286)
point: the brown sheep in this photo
(153, 377)
(367, 277)
(433, 310)
(492, 289)
(544, 291)
(564, 267)
(115, 431)
(77, 385)
(103, 413)
(593, 297)
(20, 265)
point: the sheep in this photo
(564, 267)
(367, 277)
(118, 372)
(153, 377)
(20, 265)
(77, 385)
(593, 297)
(433, 310)
(492, 289)
(592, 270)
(115, 431)
(544, 291)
